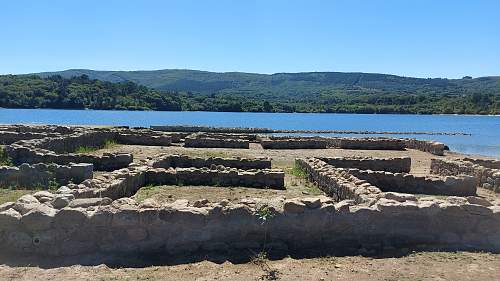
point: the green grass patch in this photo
(146, 192)
(4, 158)
(85, 149)
(298, 172)
(88, 149)
(11, 194)
(311, 189)
(299, 181)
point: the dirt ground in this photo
(416, 266)
(282, 159)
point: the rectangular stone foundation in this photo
(394, 165)
(485, 177)
(185, 161)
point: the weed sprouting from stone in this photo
(265, 213)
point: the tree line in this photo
(81, 92)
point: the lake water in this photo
(485, 130)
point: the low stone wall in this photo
(40, 129)
(487, 163)
(351, 183)
(185, 161)
(69, 143)
(125, 182)
(394, 164)
(289, 142)
(294, 143)
(407, 183)
(105, 162)
(367, 143)
(7, 137)
(485, 177)
(100, 228)
(58, 149)
(208, 142)
(196, 129)
(433, 147)
(338, 183)
(272, 179)
(40, 175)
(177, 137)
(231, 136)
(138, 138)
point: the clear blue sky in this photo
(422, 38)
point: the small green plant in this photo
(261, 259)
(85, 149)
(299, 172)
(109, 143)
(265, 213)
(5, 160)
(53, 185)
(11, 194)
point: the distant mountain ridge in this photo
(193, 90)
(286, 83)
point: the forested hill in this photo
(305, 83)
(283, 92)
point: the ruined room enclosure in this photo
(178, 193)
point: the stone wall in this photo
(433, 147)
(106, 162)
(338, 183)
(394, 164)
(125, 182)
(40, 129)
(7, 137)
(289, 142)
(367, 143)
(58, 149)
(294, 143)
(105, 229)
(40, 175)
(408, 183)
(184, 161)
(351, 183)
(485, 177)
(196, 129)
(488, 163)
(139, 138)
(213, 142)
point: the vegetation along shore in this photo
(190, 90)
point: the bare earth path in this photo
(421, 266)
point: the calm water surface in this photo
(485, 130)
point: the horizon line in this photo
(244, 72)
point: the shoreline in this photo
(257, 112)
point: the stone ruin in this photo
(486, 173)
(41, 174)
(289, 142)
(217, 141)
(371, 205)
